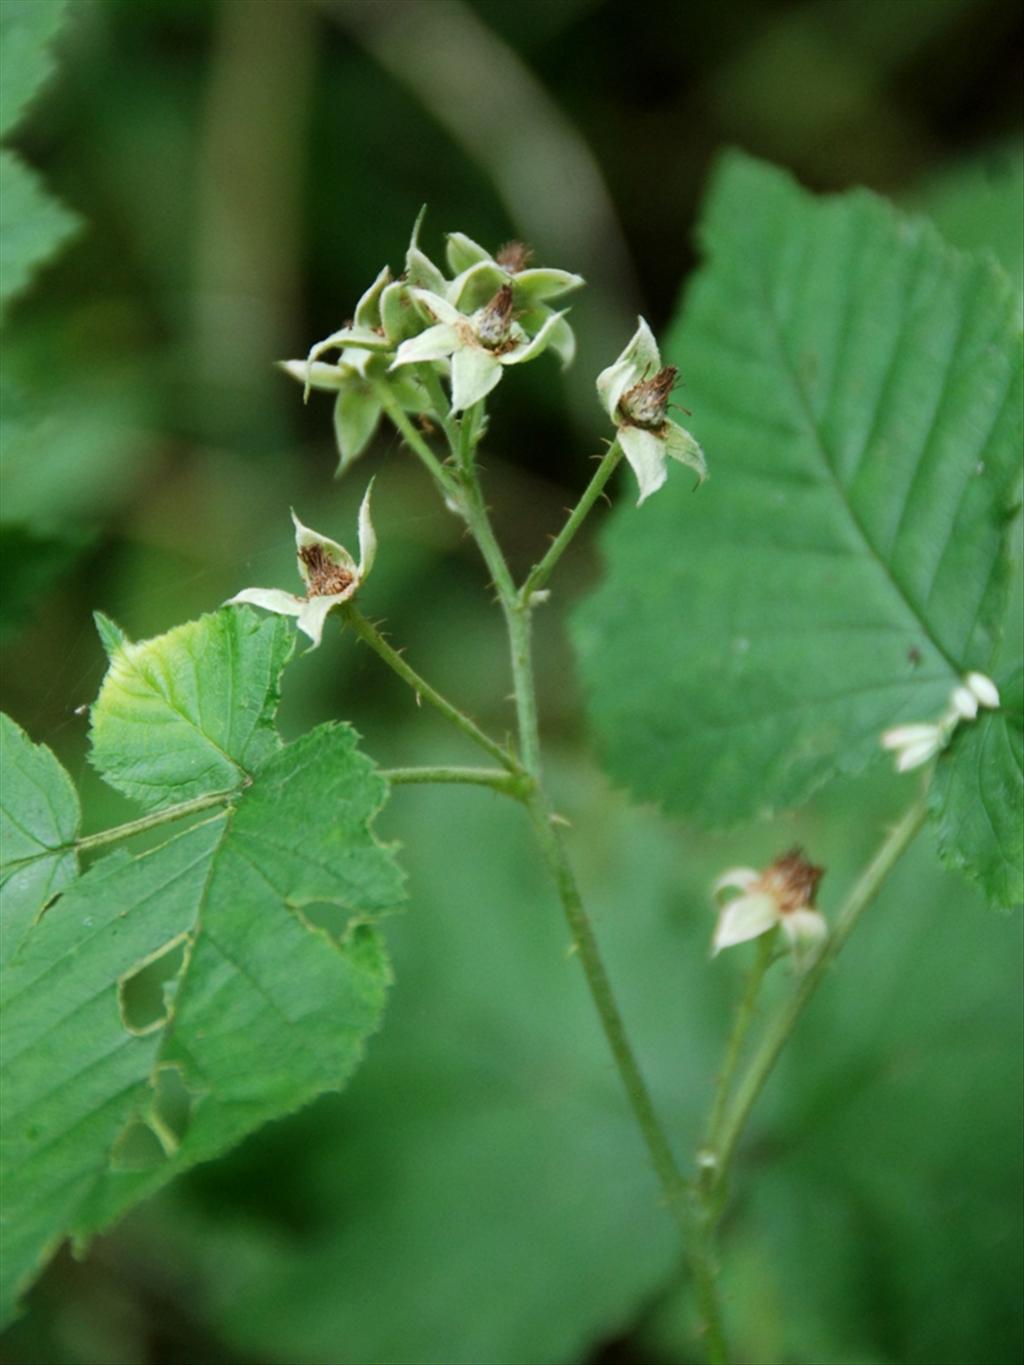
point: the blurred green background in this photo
(242, 170)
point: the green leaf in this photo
(856, 385)
(27, 27)
(166, 1005)
(39, 820)
(192, 711)
(977, 798)
(33, 225)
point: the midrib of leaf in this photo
(814, 431)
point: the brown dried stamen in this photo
(493, 325)
(791, 881)
(325, 577)
(646, 404)
(514, 256)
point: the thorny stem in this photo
(498, 778)
(411, 435)
(372, 636)
(515, 606)
(159, 817)
(541, 571)
(778, 1031)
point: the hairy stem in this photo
(372, 636)
(158, 817)
(777, 1034)
(515, 606)
(412, 436)
(541, 571)
(509, 783)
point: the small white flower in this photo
(916, 744)
(329, 572)
(984, 689)
(782, 894)
(635, 391)
(480, 346)
(479, 276)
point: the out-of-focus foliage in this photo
(243, 170)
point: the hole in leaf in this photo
(333, 920)
(137, 1148)
(172, 1101)
(145, 995)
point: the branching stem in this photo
(509, 783)
(372, 636)
(157, 818)
(541, 571)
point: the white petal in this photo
(535, 345)
(642, 351)
(902, 735)
(914, 755)
(433, 344)
(804, 927)
(367, 536)
(316, 375)
(439, 307)
(272, 599)
(646, 453)
(613, 382)
(337, 553)
(736, 878)
(984, 689)
(744, 918)
(314, 614)
(563, 342)
(680, 445)
(475, 372)
(964, 703)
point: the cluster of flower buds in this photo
(494, 311)
(916, 744)
(782, 894)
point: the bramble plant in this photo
(856, 388)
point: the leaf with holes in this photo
(856, 386)
(166, 1005)
(977, 798)
(39, 819)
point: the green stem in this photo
(498, 778)
(411, 435)
(740, 1028)
(372, 636)
(541, 571)
(159, 817)
(516, 609)
(778, 1032)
